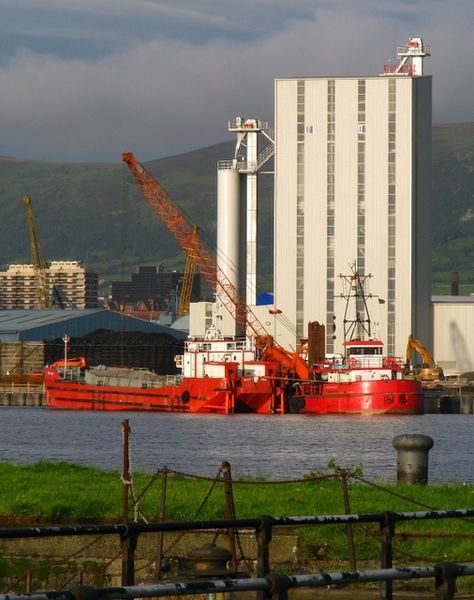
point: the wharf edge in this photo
(443, 398)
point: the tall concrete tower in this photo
(353, 183)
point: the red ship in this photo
(218, 376)
(228, 376)
(222, 376)
(362, 380)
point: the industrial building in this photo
(352, 188)
(39, 325)
(453, 333)
(67, 281)
(353, 185)
(29, 338)
(154, 287)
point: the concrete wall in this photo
(453, 327)
(98, 559)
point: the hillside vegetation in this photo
(453, 205)
(95, 213)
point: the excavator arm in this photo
(429, 371)
(414, 345)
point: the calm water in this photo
(279, 447)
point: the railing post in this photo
(264, 537)
(127, 568)
(445, 580)
(387, 531)
(279, 586)
(29, 581)
(162, 518)
(229, 506)
(347, 510)
(129, 545)
(125, 468)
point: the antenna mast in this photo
(360, 325)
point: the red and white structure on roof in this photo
(411, 57)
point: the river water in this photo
(275, 446)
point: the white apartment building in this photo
(78, 288)
(353, 183)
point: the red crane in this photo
(184, 233)
(187, 281)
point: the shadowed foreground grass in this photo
(63, 492)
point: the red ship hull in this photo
(196, 395)
(380, 397)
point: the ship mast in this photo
(359, 325)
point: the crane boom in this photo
(39, 263)
(183, 232)
(187, 281)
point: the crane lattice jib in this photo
(183, 232)
(39, 263)
(187, 281)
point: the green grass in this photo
(63, 492)
(53, 491)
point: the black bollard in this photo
(412, 457)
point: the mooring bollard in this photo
(412, 457)
(205, 563)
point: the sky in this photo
(84, 81)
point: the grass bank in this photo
(63, 492)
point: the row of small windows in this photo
(301, 130)
(361, 130)
(331, 135)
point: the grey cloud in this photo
(161, 96)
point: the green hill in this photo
(453, 206)
(95, 213)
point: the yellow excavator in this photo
(429, 371)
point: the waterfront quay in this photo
(454, 396)
(441, 397)
(28, 394)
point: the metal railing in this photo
(266, 584)
(272, 586)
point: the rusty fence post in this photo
(387, 531)
(29, 582)
(125, 490)
(129, 546)
(230, 512)
(125, 468)
(445, 580)
(347, 510)
(161, 518)
(279, 586)
(264, 537)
